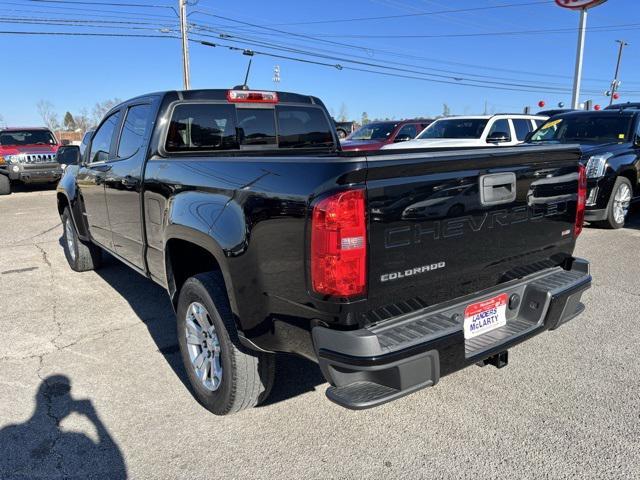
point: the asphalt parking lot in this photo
(91, 386)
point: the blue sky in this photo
(75, 72)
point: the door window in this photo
(101, 144)
(134, 130)
(409, 129)
(522, 127)
(501, 126)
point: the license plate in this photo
(482, 317)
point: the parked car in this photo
(343, 129)
(610, 140)
(474, 131)
(27, 155)
(375, 135)
(241, 204)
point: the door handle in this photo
(105, 167)
(129, 181)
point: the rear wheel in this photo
(225, 376)
(5, 185)
(342, 134)
(618, 205)
(81, 256)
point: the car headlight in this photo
(9, 159)
(597, 164)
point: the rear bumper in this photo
(32, 173)
(375, 365)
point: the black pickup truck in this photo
(610, 142)
(270, 239)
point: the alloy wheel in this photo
(203, 346)
(621, 201)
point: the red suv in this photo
(27, 155)
(375, 135)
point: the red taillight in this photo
(251, 96)
(582, 199)
(339, 245)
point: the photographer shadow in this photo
(39, 448)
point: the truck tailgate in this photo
(447, 224)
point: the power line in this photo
(384, 52)
(85, 34)
(412, 15)
(110, 4)
(603, 28)
(456, 77)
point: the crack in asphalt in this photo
(54, 306)
(36, 235)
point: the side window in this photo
(300, 127)
(501, 126)
(409, 129)
(256, 126)
(101, 143)
(522, 127)
(202, 126)
(134, 130)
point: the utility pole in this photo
(575, 101)
(182, 6)
(616, 83)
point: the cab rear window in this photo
(212, 127)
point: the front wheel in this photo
(5, 185)
(81, 256)
(618, 205)
(225, 376)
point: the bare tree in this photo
(2, 124)
(83, 121)
(48, 115)
(343, 116)
(100, 108)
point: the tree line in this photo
(83, 120)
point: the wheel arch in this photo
(188, 252)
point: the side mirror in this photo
(68, 155)
(402, 138)
(498, 137)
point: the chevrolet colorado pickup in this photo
(269, 239)
(27, 155)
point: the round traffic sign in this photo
(579, 4)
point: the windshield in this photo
(27, 137)
(373, 131)
(455, 128)
(580, 128)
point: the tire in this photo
(342, 134)
(81, 256)
(5, 185)
(231, 377)
(618, 205)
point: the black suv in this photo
(610, 142)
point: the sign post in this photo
(583, 6)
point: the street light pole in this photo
(579, 55)
(182, 8)
(615, 83)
